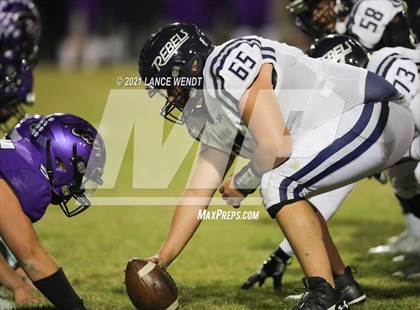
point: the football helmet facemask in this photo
(174, 52)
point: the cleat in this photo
(294, 297)
(274, 267)
(396, 238)
(414, 257)
(410, 273)
(350, 289)
(406, 244)
(320, 295)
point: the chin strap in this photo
(75, 190)
(79, 170)
(50, 172)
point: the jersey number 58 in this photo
(372, 17)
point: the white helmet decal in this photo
(170, 48)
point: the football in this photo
(150, 287)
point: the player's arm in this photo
(262, 115)
(17, 231)
(206, 177)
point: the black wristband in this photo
(245, 191)
(247, 180)
(58, 290)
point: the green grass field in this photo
(94, 247)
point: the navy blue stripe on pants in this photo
(374, 136)
(329, 151)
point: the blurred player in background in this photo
(398, 66)
(374, 23)
(21, 30)
(413, 15)
(249, 17)
(245, 109)
(49, 159)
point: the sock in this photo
(286, 247)
(279, 253)
(57, 289)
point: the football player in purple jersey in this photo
(50, 161)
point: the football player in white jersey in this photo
(399, 66)
(375, 23)
(308, 126)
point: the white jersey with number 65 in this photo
(310, 91)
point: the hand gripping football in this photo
(150, 287)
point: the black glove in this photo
(273, 267)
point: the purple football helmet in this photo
(74, 157)
(24, 128)
(20, 31)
